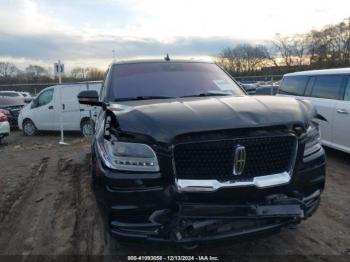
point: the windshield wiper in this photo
(209, 94)
(142, 98)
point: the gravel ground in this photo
(47, 208)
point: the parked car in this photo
(181, 154)
(44, 112)
(329, 91)
(13, 104)
(26, 94)
(4, 124)
(267, 90)
(12, 94)
(250, 88)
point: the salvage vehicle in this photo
(329, 92)
(12, 104)
(44, 112)
(181, 154)
(4, 124)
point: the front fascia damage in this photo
(166, 214)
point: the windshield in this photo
(168, 80)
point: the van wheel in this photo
(29, 128)
(87, 127)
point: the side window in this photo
(347, 91)
(45, 97)
(309, 85)
(327, 87)
(104, 86)
(293, 85)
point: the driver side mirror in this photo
(27, 100)
(89, 97)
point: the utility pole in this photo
(113, 51)
(59, 69)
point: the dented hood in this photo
(165, 119)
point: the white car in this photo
(44, 112)
(329, 91)
(11, 94)
(4, 124)
(25, 94)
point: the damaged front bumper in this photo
(192, 223)
(147, 207)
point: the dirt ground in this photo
(47, 207)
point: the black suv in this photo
(182, 154)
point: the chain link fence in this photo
(263, 78)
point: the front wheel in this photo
(87, 127)
(29, 128)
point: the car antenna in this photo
(167, 58)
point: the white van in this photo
(44, 112)
(329, 91)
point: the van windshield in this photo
(169, 80)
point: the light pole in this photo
(113, 52)
(59, 71)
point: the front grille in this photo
(215, 159)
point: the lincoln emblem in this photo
(239, 160)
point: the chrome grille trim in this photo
(211, 185)
(188, 185)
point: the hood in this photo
(165, 119)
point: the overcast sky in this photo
(84, 32)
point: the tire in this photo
(87, 127)
(29, 128)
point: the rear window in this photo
(347, 91)
(327, 87)
(293, 85)
(170, 79)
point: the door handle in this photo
(342, 111)
(50, 107)
(63, 106)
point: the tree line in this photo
(10, 73)
(317, 49)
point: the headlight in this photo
(128, 156)
(312, 143)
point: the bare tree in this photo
(330, 46)
(300, 49)
(36, 71)
(8, 69)
(95, 73)
(79, 73)
(243, 58)
(284, 48)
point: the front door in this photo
(324, 94)
(341, 128)
(43, 111)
